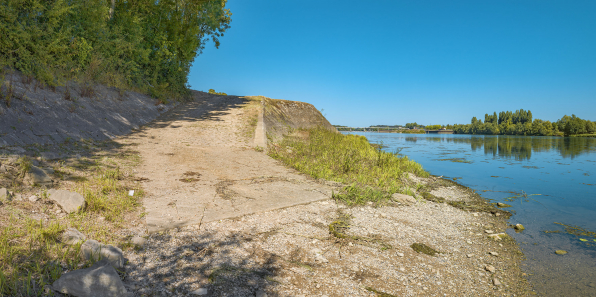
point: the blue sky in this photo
(393, 62)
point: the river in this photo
(550, 183)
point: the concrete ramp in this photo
(199, 165)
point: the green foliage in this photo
(143, 44)
(212, 91)
(433, 127)
(373, 174)
(411, 125)
(520, 123)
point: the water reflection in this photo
(520, 147)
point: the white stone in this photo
(402, 198)
(201, 291)
(138, 241)
(73, 236)
(131, 193)
(69, 201)
(92, 249)
(99, 280)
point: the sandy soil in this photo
(228, 220)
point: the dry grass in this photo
(31, 253)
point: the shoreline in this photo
(290, 251)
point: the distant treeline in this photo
(520, 123)
(147, 45)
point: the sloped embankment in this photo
(280, 117)
(32, 114)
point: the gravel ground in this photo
(290, 252)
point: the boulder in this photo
(73, 236)
(402, 198)
(5, 195)
(37, 177)
(99, 280)
(93, 250)
(69, 201)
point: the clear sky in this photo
(392, 62)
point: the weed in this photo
(379, 293)
(67, 95)
(338, 228)
(423, 248)
(373, 174)
(87, 91)
(9, 92)
(24, 165)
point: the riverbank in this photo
(316, 246)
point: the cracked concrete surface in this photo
(230, 178)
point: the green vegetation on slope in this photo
(145, 45)
(373, 175)
(520, 123)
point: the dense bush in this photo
(142, 44)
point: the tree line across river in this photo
(520, 122)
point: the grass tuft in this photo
(372, 174)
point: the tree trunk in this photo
(112, 9)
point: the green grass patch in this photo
(373, 174)
(423, 248)
(31, 252)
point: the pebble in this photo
(400, 254)
(494, 253)
(469, 241)
(33, 198)
(475, 214)
(201, 291)
(489, 231)
(261, 293)
(496, 282)
(470, 255)
(560, 252)
(490, 268)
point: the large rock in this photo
(93, 250)
(5, 195)
(99, 280)
(69, 201)
(403, 199)
(37, 177)
(73, 236)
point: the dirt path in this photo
(199, 167)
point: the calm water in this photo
(557, 176)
